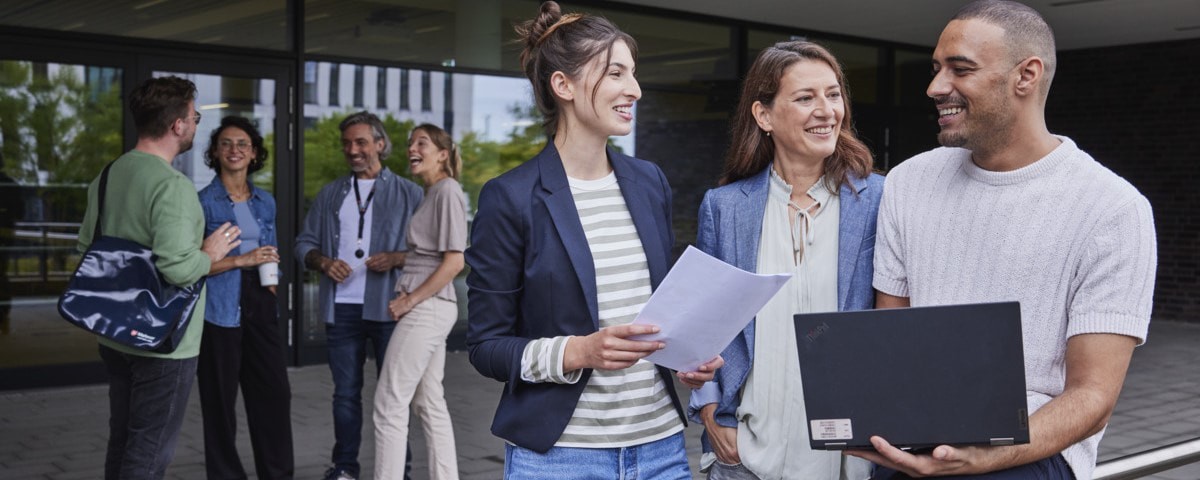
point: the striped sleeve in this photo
(542, 361)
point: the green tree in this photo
(57, 124)
(484, 160)
(57, 132)
(14, 103)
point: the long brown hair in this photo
(751, 150)
(564, 43)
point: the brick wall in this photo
(1136, 109)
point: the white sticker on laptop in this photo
(831, 429)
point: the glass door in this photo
(60, 123)
(261, 93)
(63, 117)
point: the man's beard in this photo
(952, 139)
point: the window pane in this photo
(335, 80)
(859, 62)
(912, 78)
(381, 87)
(426, 92)
(358, 86)
(247, 23)
(310, 82)
(479, 34)
(403, 88)
(59, 125)
(465, 33)
(671, 51)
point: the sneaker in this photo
(335, 473)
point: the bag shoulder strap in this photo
(96, 232)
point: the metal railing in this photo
(1149, 462)
(49, 242)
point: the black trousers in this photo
(147, 398)
(252, 355)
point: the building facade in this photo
(296, 67)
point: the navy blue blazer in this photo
(532, 276)
(730, 228)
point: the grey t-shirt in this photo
(438, 225)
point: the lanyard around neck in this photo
(362, 213)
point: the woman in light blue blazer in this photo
(797, 197)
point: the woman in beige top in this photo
(425, 307)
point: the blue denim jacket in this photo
(223, 306)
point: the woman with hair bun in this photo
(565, 251)
(426, 308)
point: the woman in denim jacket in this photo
(242, 343)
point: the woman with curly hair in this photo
(242, 343)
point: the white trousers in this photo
(412, 376)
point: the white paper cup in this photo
(268, 274)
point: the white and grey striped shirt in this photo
(618, 408)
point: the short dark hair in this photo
(158, 102)
(377, 131)
(213, 159)
(1025, 31)
(564, 43)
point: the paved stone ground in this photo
(60, 433)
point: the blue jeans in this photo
(660, 459)
(347, 339)
(147, 398)
(1052, 468)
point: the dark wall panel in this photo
(1136, 109)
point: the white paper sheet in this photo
(701, 305)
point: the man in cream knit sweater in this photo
(1008, 211)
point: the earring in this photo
(768, 133)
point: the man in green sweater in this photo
(153, 204)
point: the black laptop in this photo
(918, 377)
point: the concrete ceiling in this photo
(1077, 23)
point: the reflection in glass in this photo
(59, 125)
(672, 51)
(913, 73)
(247, 23)
(465, 33)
